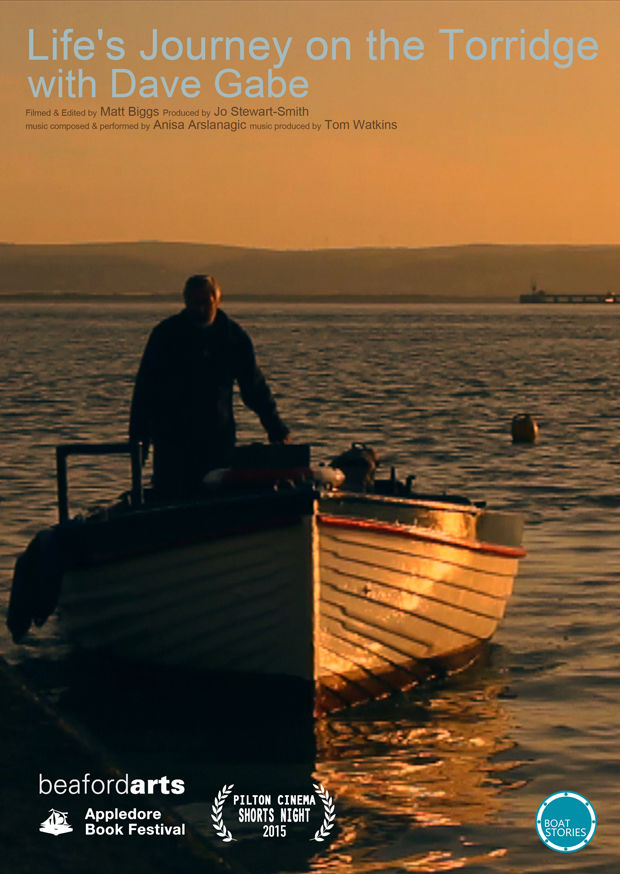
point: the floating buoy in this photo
(524, 429)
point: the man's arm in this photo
(255, 392)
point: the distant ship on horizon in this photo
(538, 295)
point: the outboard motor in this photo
(358, 464)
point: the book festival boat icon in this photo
(56, 823)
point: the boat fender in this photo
(36, 585)
(329, 477)
(524, 429)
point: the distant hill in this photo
(450, 273)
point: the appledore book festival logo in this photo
(56, 823)
(566, 822)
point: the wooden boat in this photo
(357, 593)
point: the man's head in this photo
(202, 296)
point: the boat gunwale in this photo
(432, 503)
(416, 533)
(261, 527)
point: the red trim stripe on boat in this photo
(417, 534)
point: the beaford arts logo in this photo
(56, 823)
(566, 822)
(272, 814)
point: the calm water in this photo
(448, 777)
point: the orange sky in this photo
(485, 151)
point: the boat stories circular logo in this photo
(566, 822)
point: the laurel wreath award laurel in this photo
(216, 813)
(330, 813)
(320, 834)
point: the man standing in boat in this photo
(183, 395)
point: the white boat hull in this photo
(392, 601)
(344, 594)
(242, 603)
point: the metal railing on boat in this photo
(64, 450)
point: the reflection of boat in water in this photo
(434, 766)
(358, 593)
(423, 782)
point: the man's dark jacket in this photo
(183, 397)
